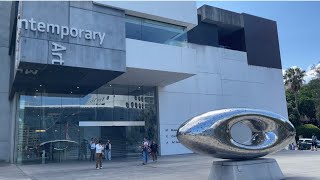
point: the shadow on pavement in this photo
(301, 178)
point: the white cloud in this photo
(310, 72)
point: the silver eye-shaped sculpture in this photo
(238, 133)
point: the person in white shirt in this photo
(145, 148)
(99, 149)
(92, 145)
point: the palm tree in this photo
(293, 80)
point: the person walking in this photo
(145, 147)
(92, 149)
(99, 149)
(154, 151)
(314, 143)
(108, 150)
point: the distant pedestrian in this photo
(314, 144)
(145, 147)
(154, 150)
(83, 154)
(92, 149)
(99, 149)
(108, 151)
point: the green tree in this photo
(293, 80)
(314, 88)
(307, 130)
(293, 113)
(307, 108)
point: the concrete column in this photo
(5, 104)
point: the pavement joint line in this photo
(32, 178)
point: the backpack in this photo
(314, 138)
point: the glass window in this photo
(154, 31)
(87, 107)
(29, 128)
(105, 104)
(120, 99)
(134, 93)
(49, 124)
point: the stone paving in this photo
(296, 165)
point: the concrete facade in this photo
(223, 80)
(160, 11)
(190, 78)
(5, 105)
(77, 50)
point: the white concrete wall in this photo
(154, 64)
(160, 57)
(223, 80)
(183, 13)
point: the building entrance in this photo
(58, 127)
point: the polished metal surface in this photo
(238, 133)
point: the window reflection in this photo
(48, 124)
(154, 31)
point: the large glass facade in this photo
(58, 127)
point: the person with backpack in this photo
(314, 143)
(108, 151)
(154, 150)
(92, 147)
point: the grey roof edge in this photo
(214, 15)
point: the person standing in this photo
(92, 149)
(83, 154)
(108, 150)
(154, 151)
(145, 147)
(99, 149)
(314, 143)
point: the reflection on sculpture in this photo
(215, 133)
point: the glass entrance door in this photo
(54, 127)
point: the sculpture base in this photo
(262, 169)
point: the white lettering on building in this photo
(63, 31)
(27, 71)
(56, 52)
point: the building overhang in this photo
(146, 77)
(59, 53)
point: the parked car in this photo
(305, 143)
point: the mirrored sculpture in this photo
(237, 133)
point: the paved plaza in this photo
(295, 165)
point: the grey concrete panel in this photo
(53, 12)
(211, 14)
(112, 26)
(89, 5)
(5, 117)
(4, 69)
(4, 151)
(247, 170)
(91, 57)
(5, 11)
(34, 50)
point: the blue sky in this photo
(298, 27)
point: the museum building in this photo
(121, 71)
